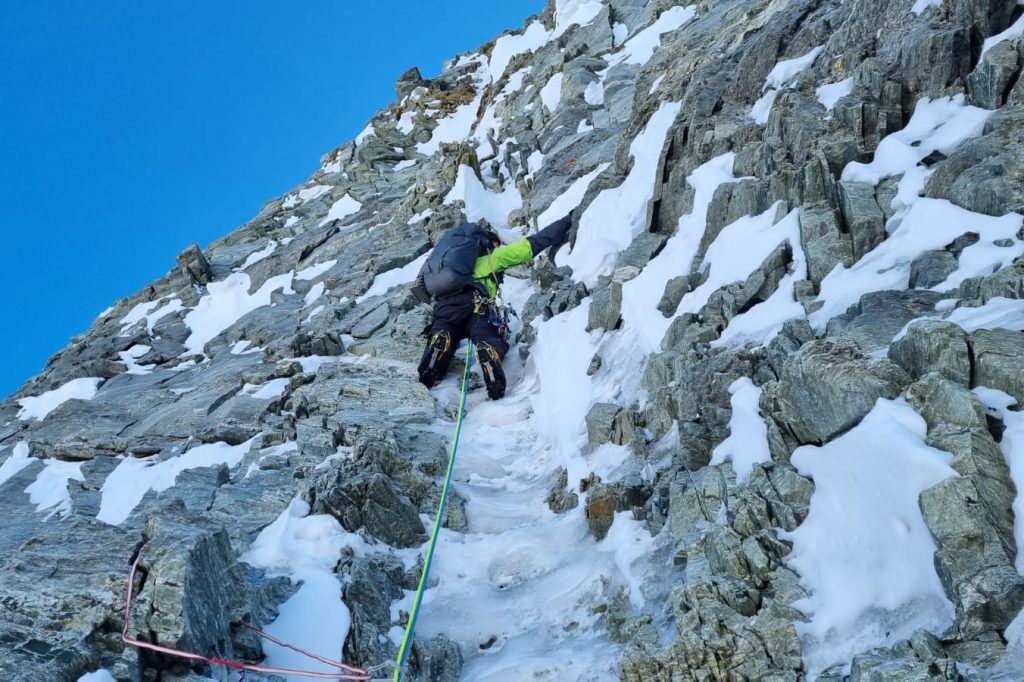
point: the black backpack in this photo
(449, 268)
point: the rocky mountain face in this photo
(276, 365)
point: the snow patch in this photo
(779, 77)
(314, 271)
(306, 549)
(126, 485)
(98, 676)
(1016, 30)
(551, 93)
(130, 356)
(225, 304)
(829, 94)
(38, 407)
(641, 294)
(480, 202)
(18, 460)
(49, 492)
(922, 5)
(508, 46)
(386, 280)
(265, 252)
(640, 48)
(747, 443)
(864, 553)
(618, 214)
(570, 12)
(342, 208)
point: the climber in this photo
(462, 276)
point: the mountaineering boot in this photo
(490, 365)
(436, 358)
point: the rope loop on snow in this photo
(403, 650)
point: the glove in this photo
(554, 234)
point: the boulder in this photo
(193, 265)
(827, 387)
(600, 509)
(879, 316)
(998, 361)
(934, 346)
(931, 268)
(605, 308)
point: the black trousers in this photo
(454, 314)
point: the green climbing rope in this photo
(403, 650)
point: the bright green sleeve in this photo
(502, 258)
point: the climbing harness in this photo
(496, 311)
(343, 672)
(403, 650)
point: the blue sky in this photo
(129, 130)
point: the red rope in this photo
(344, 672)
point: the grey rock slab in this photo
(827, 387)
(605, 308)
(879, 316)
(824, 243)
(1007, 283)
(190, 396)
(194, 266)
(998, 361)
(367, 501)
(601, 422)
(641, 250)
(194, 586)
(984, 174)
(235, 421)
(862, 216)
(372, 384)
(62, 584)
(936, 59)
(373, 583)
(971, 561)
(989, 83)
(371, 322)
(934, 346)
(932, 268)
